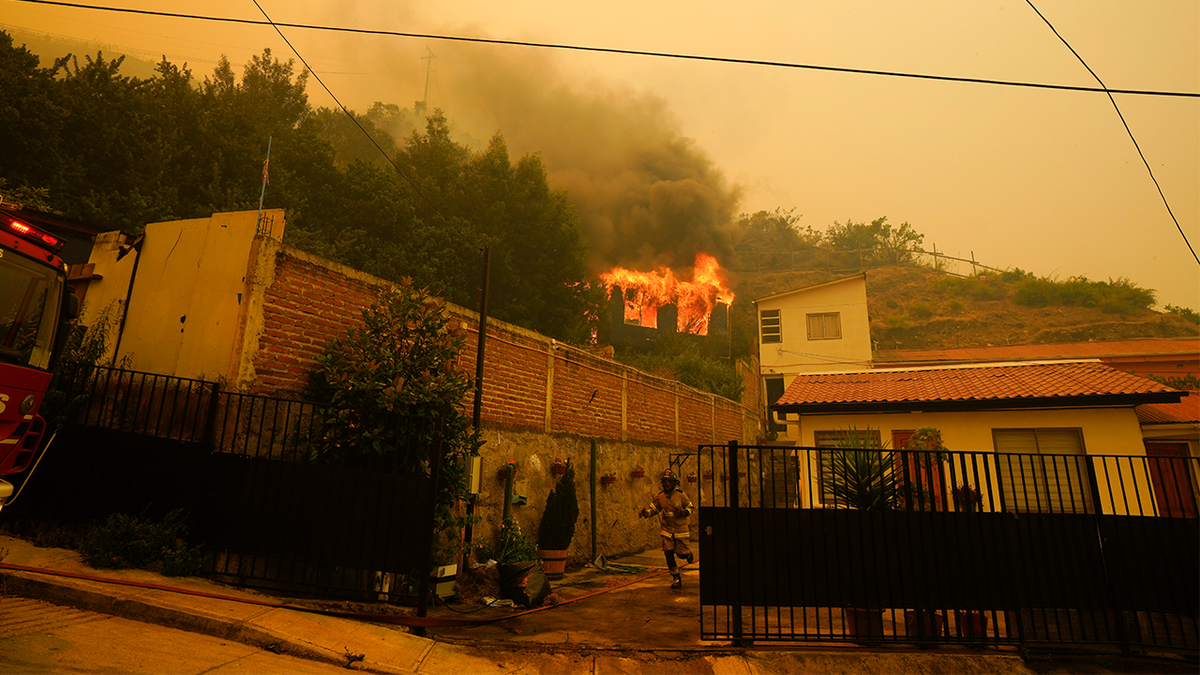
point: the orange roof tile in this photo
(1064, 350)
(1009, 385)
(1184, 412)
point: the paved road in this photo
(38, 637)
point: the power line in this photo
(349, 114)
(1127, 129)
(624, 52)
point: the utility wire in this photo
(1127, 129)
(625, 52)
(350, 115)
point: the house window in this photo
(774, 391)
(825, 326)
(857, 470)
(772, 330)
(1043, 470)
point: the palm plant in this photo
(858, 473)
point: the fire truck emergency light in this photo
(34, 234)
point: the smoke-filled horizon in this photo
(660, 154)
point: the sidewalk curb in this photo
(25, 584)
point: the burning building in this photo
(647, 305)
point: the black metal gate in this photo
(1079, 549)
(266, 509)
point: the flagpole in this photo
(258, 223)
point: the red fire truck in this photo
(35, 306)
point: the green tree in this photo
(876, 242)
(384, 383)
(773, 240)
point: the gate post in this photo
(734, 490)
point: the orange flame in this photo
(651, 290)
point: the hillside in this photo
(920, 308)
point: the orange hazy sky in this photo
(1044, 180)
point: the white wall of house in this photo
(795, 349)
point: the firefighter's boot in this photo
(678, 581)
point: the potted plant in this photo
(639, 472)
(505, 470)
(967, 498)
(924, 624)
(558, 525)
(608, 478)
(921, 460)
(858, 474)
(691, 477)
(559, 467)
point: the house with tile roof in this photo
(1017, 425)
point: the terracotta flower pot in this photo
(639, 473)
(863, 622)
(970, 624)
(554, 563)
(608, 480)
(924, 626)
(559, 468)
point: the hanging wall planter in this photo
(639, 472)
(559, 467)
(608, 479)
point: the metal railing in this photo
(867, 545)
(281, 494)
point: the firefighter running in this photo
(674, 510)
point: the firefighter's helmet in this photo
(669, 476)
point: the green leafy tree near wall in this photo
(382, 382)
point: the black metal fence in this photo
(868, 545)
(277, 492)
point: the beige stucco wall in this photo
(1106, 431)
(189, 294)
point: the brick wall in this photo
(531, 382)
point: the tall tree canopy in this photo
(119, 152)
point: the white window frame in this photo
(771, 326)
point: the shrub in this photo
(858, 473)
(1121, 296)
(954, 306)
(920, 310)
(123, 541)
(1185, 382)
(1187, 313)
(557, 527)
(679, 357)
(383, 383)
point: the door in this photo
(921, 475)
(1173, 489)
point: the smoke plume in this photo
(646, 195)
